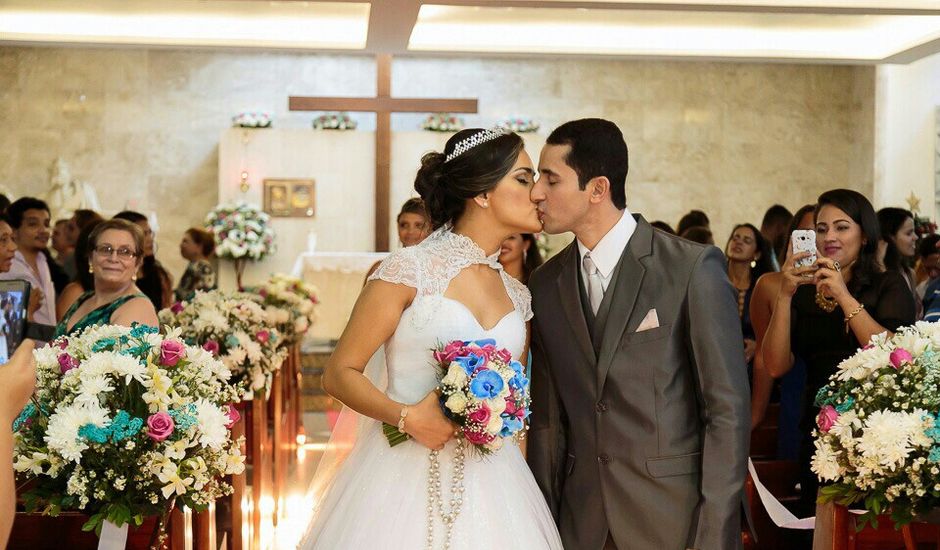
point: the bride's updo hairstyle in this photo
(447, 185)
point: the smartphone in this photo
(804, 240)
(14, 301)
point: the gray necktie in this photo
(595, 289)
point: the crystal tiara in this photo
(478, 138)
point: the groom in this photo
(639, 434)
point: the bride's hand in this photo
(427, 424)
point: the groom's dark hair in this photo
(597, 149)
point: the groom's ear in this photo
(599, 188)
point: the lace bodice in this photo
(433, 318)
(430, 266)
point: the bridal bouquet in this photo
(483, 390)
(290, 304)
(878, 429)
(237, 329)
(125, 422)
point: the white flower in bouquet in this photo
(456, 403)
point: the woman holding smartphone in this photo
(825, 311)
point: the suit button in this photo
(600, 407)
(604, 459)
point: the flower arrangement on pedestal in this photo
(237, 329)
(242, 232)
(251, 120)
(290, 303)
(334, 121)
(518, 124)
(878, 436)
(442, 122)
(125, 424)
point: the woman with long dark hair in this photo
(898, 246)
(825, 311)
(749, 256)
(520, 255)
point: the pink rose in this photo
(452, 351)
(177, 308)
(478, 438)
(171, 351)
(827, 417)
(901, 356)
(160, 426)
(481, 416)
(504, 355)
(67, 363)
(263, 293)
(263, 336)
(232, 415)
(63, 343)
(212, 347)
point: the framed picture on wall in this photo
(290, 198)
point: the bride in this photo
(449, 287)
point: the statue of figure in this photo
(65, 194)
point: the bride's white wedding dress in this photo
(377, 498)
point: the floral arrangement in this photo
(442, 122)
(520, 125)
(334, 121)
(251, 120)
(125, 422)
(290, 304)
(483, 390)
(878, 436)
(924, 226)
(242, 231)
(237, 329)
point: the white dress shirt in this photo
(609, 249)
(41, 280)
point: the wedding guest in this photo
(927, 266)
(153, 280)
(695, 218)
(698, 234)
(774, 229)
(4, 203)
(80, 219)
(748, 255)
(898, 246)
(413, 226)
(520, 255)
(197, 246)
(60, 243)
(792, 384)
(17, 380)
(826, 311)
(116, 256)
(14, 317)
(84, 280)
(29, 219)
(663, 226)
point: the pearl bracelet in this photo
(401, 419)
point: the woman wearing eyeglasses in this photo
(115, 256)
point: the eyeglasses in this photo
(106, 250)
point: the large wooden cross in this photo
(383, 105)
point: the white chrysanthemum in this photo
(62, 431)
(211, 421)
(211, 319)
(864, 363)
(888, 437)
(92, 388)
(456, 403)
(826, 461)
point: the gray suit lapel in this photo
(626, 289)
(570, 293)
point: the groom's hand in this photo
(427, 424)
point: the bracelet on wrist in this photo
(401, 419)
(855, 312)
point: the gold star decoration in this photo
(914, 203)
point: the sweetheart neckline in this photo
(477, 321)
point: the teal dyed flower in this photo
(934, 455)
(28, 411)
(823, 397)
(185, 418)
(125, 426)
(94, 433)
(846, 405)
(103, 345)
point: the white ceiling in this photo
(831, 31)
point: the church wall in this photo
(144, 125)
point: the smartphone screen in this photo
(14, 300)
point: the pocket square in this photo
(651, 321)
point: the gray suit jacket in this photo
(647, 437)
